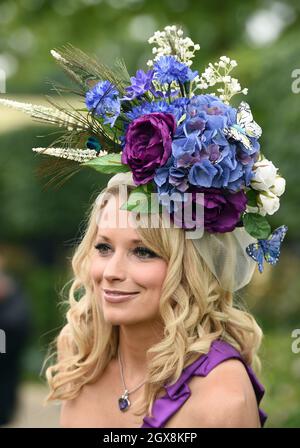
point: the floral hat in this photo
(175, 134)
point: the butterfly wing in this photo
(238, 136)
(256, 252)
(246, 122)
(253, 130)
(244, 114)
(273, 243)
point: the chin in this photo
(122, 318)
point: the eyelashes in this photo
(140, 251)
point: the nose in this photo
(115, 268)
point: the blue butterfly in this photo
(268, 249)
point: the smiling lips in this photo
(115, 297)
(118, 293)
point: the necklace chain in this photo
(124, 385)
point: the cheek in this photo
(96, 270)
(151, 276)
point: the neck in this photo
(134, 341)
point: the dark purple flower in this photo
(222, 209)
(148, 145)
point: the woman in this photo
(177, 352)
(176, 343)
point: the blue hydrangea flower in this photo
(103, 101)
(200, 146)
(163, 178)
(140, 83)
(212, 105)
(168, 69)
(227, 173)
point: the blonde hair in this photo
(194, 310)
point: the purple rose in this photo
(148, 145)
(222, 209)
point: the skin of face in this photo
(118, 263)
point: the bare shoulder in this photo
(224, 398)
(77, 412)
(69, 408)
(86, 408)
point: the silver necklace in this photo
(124, 402)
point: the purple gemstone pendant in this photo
(124, 402)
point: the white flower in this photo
(225, 59)
(219, 73)
(279, 186)
(268, 203)
(171, 42)
(264, 175)
(226, 78)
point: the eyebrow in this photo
(108, 239)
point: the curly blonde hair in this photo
(194, 310)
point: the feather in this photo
(86, 70)
(45, 114)
(78, 155)
(58, 171)
(76, 124)
(66, 163)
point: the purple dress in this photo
(164, 407)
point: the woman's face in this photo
(119, 263)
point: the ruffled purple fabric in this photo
(177, 394)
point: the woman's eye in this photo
(142, 252)
(101, 246)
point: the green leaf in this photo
(139, 200)
(148, 188)
(109, 164)
(256, 225)
(252, 197)
(183, 117)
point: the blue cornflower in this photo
(147, 108)
(168, 69)
(103, 101)
(140, 83)
(176, 107)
